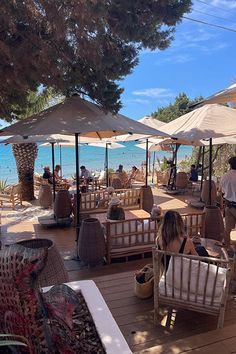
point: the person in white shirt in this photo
(85, 174)
(228, 188)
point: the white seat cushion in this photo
(213, 277)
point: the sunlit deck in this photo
(134, 316)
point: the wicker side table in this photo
(54, 271)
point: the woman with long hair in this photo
(172, 235)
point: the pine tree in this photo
(78, 46)
(25, 154)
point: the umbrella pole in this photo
(60, 160)
(77, 188)
(153, 165)
(210, 170)
(174, 168)
(106, 164)
(203, 156)
(53, 172)
(146, 177)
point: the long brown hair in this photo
(172, 227)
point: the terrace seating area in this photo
(134, 317)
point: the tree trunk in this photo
(25, 155)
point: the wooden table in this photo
(129, 214)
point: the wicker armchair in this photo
(191, 282)
(12, 194)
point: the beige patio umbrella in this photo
(208, 122)
(76, 116)
(226, 95)
(151, 122)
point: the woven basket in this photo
(62, 205)
(144, 290)
(45, 196)
(91, 244)
(54, 271)
(116, 183)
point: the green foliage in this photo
(33, 103)
(184, 165)
(163, 164)
(176, 109)
(3, 185)
(78, 46)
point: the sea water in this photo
(90, 156)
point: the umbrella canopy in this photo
(151, 122)
(154, 147)
(107, 144)
(61, 139)
(226, 95)
(78, 116)
(209, 121)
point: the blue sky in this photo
(200, 61)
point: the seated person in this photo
(115, 212)
(56, 173)
(193, 174)
(85, 174)
(199, 169)
(120, 169)
(172, 237)
(134, 172)
(58, 179)
(47, 174)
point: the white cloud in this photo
(154, 93)
(136, 100)
(174, 58)
(230, 4)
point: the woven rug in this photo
(27, 213)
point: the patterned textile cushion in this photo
(19, 309)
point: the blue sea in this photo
(90, 156)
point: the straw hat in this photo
(115, 201)
(110, 189)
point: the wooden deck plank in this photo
(217, 341)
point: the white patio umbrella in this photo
(105, 145)
(76, 116)
(50, 140)
(154, 147)
(208, 122)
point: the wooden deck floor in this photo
(134, 316)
